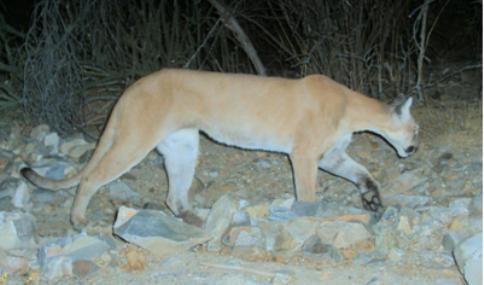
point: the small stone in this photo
(468, 256)
(219, 219)
(51, 141)
(301, 229)
(244, 237)
(305, 208)
(343, 234)
(278, 238)
(136, 259)
(16, 231)
(21, 197)
(57, 269)
(258, 211)
(460, 207)
(157, 232)
(12, 264)
(451, 239)
(396, 254)
(404, 225)
(314, 245)
(82, 268)
(57, 256)
(76, 148)
(241, 218)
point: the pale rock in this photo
(277, 238)
(241, 218)
(219, 219)
(76, 147)
(314, 245)
(468, 256)
(343, 234)
(21, 196)
(57, 269)
(258, 211)
(244, 237)
(404, 225)
(460, 207)
(16, 231)
(77, 247)
(51, 141)
(395, 254)
(157, 232)
(12, 264)
(301, 229)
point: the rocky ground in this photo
(254, 232)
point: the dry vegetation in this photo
(77, 56)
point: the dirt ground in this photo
(451, 134)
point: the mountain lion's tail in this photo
(49, 183)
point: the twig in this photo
(232, 24)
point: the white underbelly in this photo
(246, 140)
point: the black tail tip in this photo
(25, 171)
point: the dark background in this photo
(66, 62)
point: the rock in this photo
(82, 268)
(301, 229)
(343, 234)
(157, 232)
(12, 264)
(16, 231)
(460, 207)
(135, 258)
(241, 218)
(51, 141)
(219, 219)
(404, 225)
(21, 196)
(38, 133)
(78, 247)
(71, 255)
(278, 238)
(305, 208)
(468, 256)
(8, 187)
(120, 191)
(258, 210)
(314, 245)
(244, 237)
(57, 269)
(76, 147)
(452, 238)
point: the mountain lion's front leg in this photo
(340, 164)
(305, 169)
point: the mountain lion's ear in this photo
(401, 107)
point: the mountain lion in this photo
(312, 119)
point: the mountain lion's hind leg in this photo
(180, 150)
(340, 164)
(120, 158)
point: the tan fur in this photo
(311, 119)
